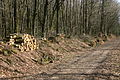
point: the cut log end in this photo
(24, 42)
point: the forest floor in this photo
(78, 63)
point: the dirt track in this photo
(84, 66)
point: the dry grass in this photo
(32, 62)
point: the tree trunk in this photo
(33, 20)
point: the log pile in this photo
(111, 36)
(24, 42)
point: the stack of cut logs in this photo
(24, 42)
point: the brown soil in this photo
(27, 63)
(75, 60)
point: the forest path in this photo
(81, 67)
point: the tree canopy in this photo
(44, 18)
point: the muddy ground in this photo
(100, 63)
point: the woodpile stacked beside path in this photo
(24, 42)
